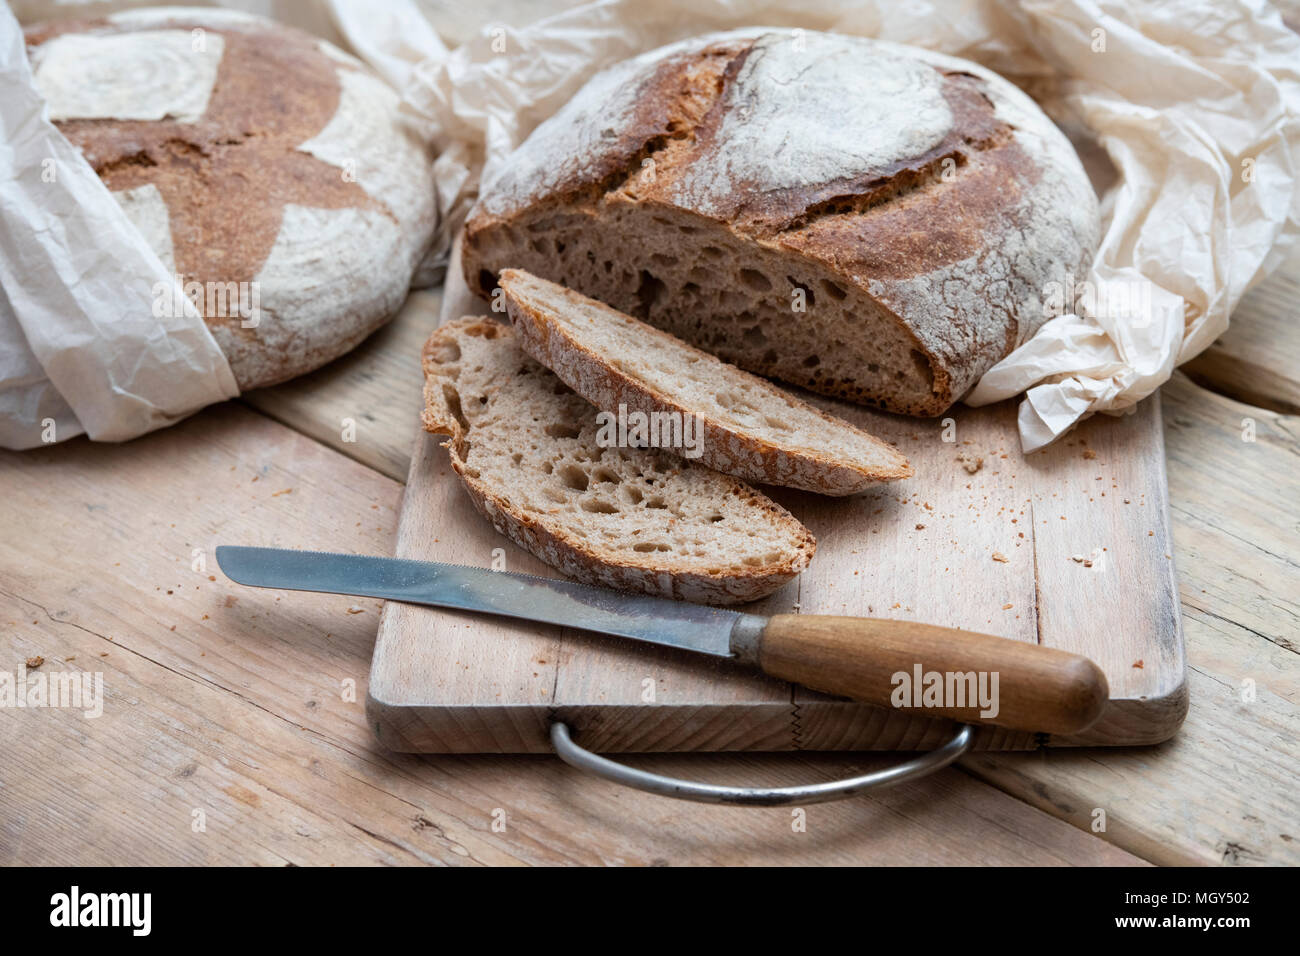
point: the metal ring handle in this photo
(913, 769)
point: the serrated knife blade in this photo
(694, 627)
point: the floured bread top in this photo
(799, 118)
(152, 75)
(756, 113)
(929, 184)
(269, 170)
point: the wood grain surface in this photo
(209, 721)
(232, 728)
(1258, 361)
(248, 725)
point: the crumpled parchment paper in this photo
(1196, 105)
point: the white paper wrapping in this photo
(1197, 105)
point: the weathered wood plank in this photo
(229, 701)
(1223, 790)
(367, 404)
(1257, 361)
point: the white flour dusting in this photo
(214, 17)
(147, 210)
(323, 285)
(1058, 213)
(154, 75)
(568, 143)
(814, 109)
(367, 139)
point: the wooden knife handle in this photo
(937, 671)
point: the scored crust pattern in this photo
(922, 201)
(236, 183)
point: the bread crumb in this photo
(36, 661)
(1089, 453)
(282, 491)
(920, 527)
(972, 463)
(1007, 607)
(1139, 664)
(356, 610)
(1080, 559)
(999, 556)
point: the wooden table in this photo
(233, 728)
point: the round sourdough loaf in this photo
(871, 221)
(268, 169)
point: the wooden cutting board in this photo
(1069, 547)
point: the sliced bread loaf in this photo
(749, 427)
(871, 221)
(526, 448)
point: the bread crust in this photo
(723, 448)
(952, 244)
(549, 541)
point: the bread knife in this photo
(914, 667)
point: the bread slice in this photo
(749, 427)
(526, 448)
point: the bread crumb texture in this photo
(525, 446)
(750, 427)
